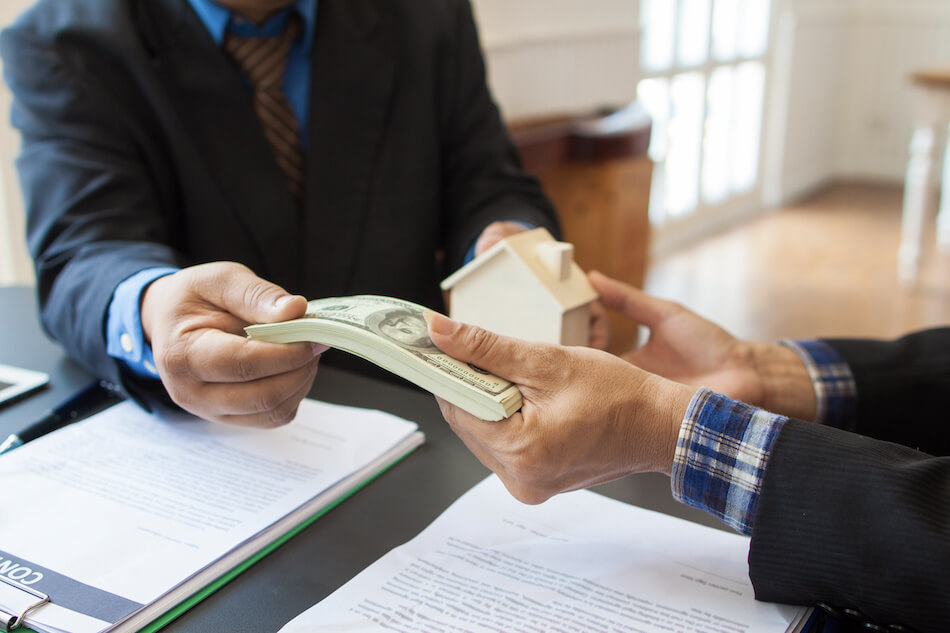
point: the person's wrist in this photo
(149, 302)
(667, 402)
(786, 386)
(677, 403)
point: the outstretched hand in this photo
(588, 417)
(689, 349)
(194, 320)
(682, 345)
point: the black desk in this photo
(387, 513)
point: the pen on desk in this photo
(92, 398)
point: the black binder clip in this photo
(10, 621)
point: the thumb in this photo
(503, 356)
(234, 288)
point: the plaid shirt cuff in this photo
(721, 454)
(834, 384)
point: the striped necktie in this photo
(263, 60)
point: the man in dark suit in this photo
(160, 148)
(852, 512)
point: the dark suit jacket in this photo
(864, 523)
(141, 148)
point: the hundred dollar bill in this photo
(392, 333)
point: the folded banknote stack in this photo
(392, 333)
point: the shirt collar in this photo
(218, 20)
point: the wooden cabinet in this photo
(597, 173)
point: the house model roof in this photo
(549, 261)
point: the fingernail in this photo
(319, 348)
(282, 301)
(440, 324)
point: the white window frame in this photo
(671, 232)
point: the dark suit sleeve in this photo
(483, 178)
(902, 388)
(92, 209)
(854, 522)
(862, 519)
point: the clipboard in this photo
(23, 608)
(12, 621)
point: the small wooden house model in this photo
(527, 286)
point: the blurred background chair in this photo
(932, 94)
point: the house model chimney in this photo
(557, 257)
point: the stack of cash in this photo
(392, 333)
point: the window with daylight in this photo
(703, 68)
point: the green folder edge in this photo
(186, 604)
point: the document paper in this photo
(579, 562)
(120, 517)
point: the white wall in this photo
(15, 264)
(843, 101)
(887, 41)
(553, 57)
(841, 104)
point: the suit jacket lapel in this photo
(350, 98)
(215, 108)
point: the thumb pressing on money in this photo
(541, 370)
(492, 352)
(547, 374)
(587, 416)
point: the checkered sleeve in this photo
(835, 390)
(721, 454)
